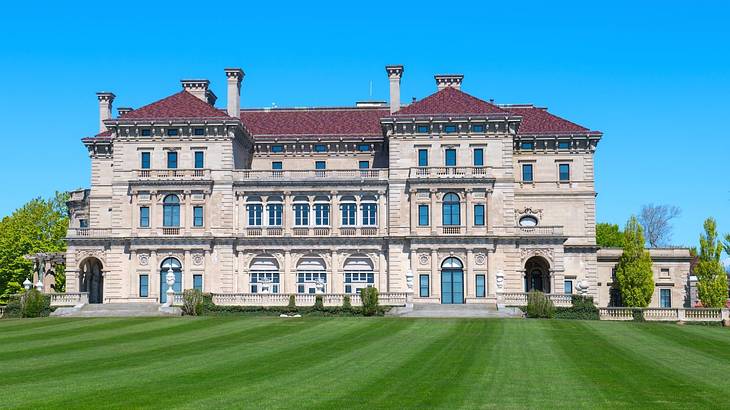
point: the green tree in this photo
(711, 277)
(634, 277)
(609, 235)
(38, 226)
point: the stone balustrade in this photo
(539, 230)
(520, 299)
(448, 172)
(309, 174)
(666, 314)
(306, 299)
(175, 174)
(69, 298)
(89, 232)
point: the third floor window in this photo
(422, 157)
(527, 172)
(564, 171)
(199, 159)
(450, 157)
(349, 214)
(171, 159)
(146, 163)
(478, 157)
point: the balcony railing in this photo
(69, 298)
(540, 230)
(520, 299)
(282, 299)
(449, 172)
(171, 231)
(359, 231)
(451, 230)
(665, 314)
(180, 174)
(89, 232)
(310, 174)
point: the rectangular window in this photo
(564, 171)
(477, 128)
(568, 287)
(198, 282)
(349, 214)
(422, 129)
(563, 144)
(255, 213)
(527, 172)
(146, 132)
(83, 223)
(527, 145)
(144, 286)
(422, 157)
(198, 216)
(665, 298)
(369, 214)
(450, 129)
(481, 289)
(423, 219)
(198, 131)
(265, 282)
(276, 166)
(354, 281)
(274, 211)
(664, 273)
(322, 214)
(450, 157)
(199, 159)
(363, 164)
(145, 160)
(277, 148)
(363, 147)
(301, 214)
(171, 159)
(307, 282)
(172, 132)
(478, 157)
(320, 165)
(320, 148)
(479, 215)
(144, 217)
(423, 286)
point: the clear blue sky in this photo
(653, 76)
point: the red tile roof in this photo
(314, 122)
(536, 120)
(182, 105)
(450, 101)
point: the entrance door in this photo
(177, 287)
(452, 286)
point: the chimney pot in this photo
(123, 110)
(395, 72)
(448, 80)
(199, 88)
(234, 77)
(105, 108)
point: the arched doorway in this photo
(91, 279)
(176, 267)
(537, 274)
(452, 282)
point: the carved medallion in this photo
(423, 259)
(198, 259)
(144, 259)
(480, 258)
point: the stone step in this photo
(434, 310)
(117, 310)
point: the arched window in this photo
(176, 267)
(358, 273)
(528, 220)
(348, 211)
(452, 263)
(264, 274)
(311, 275)
(274, 208)
(369, 210)
(301, 211)
(171, 211)
(451, 209)
(255, 210)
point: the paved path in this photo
(448, 311)
(117, 310)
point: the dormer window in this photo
(450, 129)
(320, 148)
(527, 145)
(422, 128)
(145, 132)
(277, 148)
(198, 131)
(363, 147)
(477, 128)
(172, 132)
(563, 144)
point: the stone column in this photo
(287, 214)
(382, 217)
(491, 273)
(336, 279)
(432, 212)
(382, 272)
(435, 277)
(414, 210)
(335, 214)
(467, 206)
(154, 282)
(289, 281)
(470, 278)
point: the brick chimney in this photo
(234, 77)
(199, 88)
(448, 80)
(395, 72)
(105, 108)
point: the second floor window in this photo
(422, 157)
(255, 213)
(171, 159)
(301, 214)
(363, 164)
(199, 159)
(322, 214)
(369, 214)
(144, 286)
(479, 215)
(274, 211)
(423, 219)
(171, 211)
(451, 210)
(527, 172)
(198, 216)
(320, 148)
(320, 165)
(450, 157)
(564, 171)
(478, 157)
(146, 163)
(144, 217)
(349, 214)
(276, 166)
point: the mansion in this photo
(449, 199)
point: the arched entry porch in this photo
(91, 279)
(537, 274)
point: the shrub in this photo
(346, 303)
(207, 305)
(539, 305)
(292, 306)
(638, 315)
(13, 309)
(370, 305)
(192, 302)
(33, 303)
(318, 302)
(582, 309)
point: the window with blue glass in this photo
(277, 148)
(527, 145)
(527, 172)
(363, 147)
(144, 286)
(198, 216)
(320, 148)
(422, 157)
(146, 163)
(451, 210)
(146, 132)
(363, 164)
(274, 211)
(450, 129)
(665, 298)
(479, 215)
(144, 217)
(422, 128)
(423, 286)
(83, 223)
(563, 144)
(322, 214)
(423, 219)
(481, 288)
(171, 211)
(564, 171)
(320, 165)
(369, 214)
(172, 132)
(198, 131)
(349, 214)
(271, 279)
(255, 214)
(276, 166)
(477, 128)
(171, 159)
(354, 281)
(199, 159)
(450, 157)
(301, 214)
(198, 282)
(568, 287)
(478, 157)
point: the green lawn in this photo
(355, 362)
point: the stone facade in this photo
(456, 199)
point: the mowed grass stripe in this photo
(55, 327)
